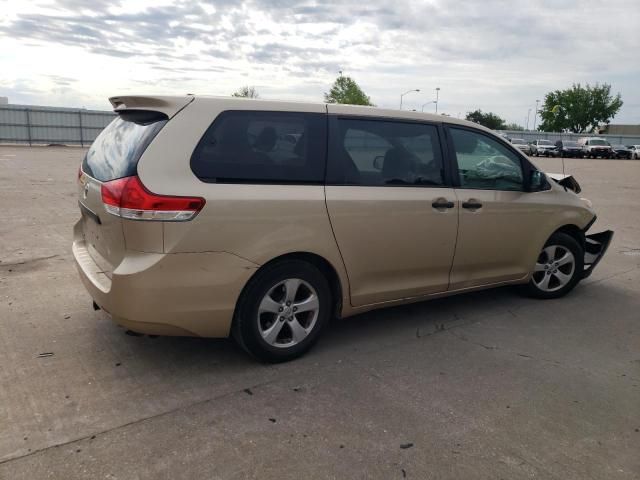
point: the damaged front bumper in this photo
(595, 246)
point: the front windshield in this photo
(570, 144)
(518, 141)
(597, 141)
(544, 142)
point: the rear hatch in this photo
(114, 155)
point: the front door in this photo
(499, 220)
(393, 216)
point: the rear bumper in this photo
(185, 294)
(596, 246)
(572, 153)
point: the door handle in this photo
(471, 205)
(442, 203)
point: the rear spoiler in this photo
(165, 105)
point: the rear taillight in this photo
(128, 198)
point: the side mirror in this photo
(378, 162)
(537, 181)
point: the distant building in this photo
(620, 129)
(4, 100)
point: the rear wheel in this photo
(558, 268)
(282, 311)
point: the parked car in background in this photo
(199, 216)
(635, 151)
(621, 151)
(520, 144)
(567, 148)
(594, 147)
(543, 148)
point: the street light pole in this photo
(425, 104)
(437, 97)
(409, 91)
(535, 115)
(528, 113)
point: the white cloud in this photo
(498, 56)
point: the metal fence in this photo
(530, 136)
(39, 125)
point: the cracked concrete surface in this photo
(485, 385)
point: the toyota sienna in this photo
(208, 216)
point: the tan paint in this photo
(390, 245)
(393, 242)
(501, 241)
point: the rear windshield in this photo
(518, 141)
(570, 144)
(116, 151)
(544, 142)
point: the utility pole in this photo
(437, 98)
(535, 115)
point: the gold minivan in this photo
(209, 216)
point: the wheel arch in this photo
(325, 267)
(573, 231)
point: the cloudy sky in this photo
(495, 55)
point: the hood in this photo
(567, 181)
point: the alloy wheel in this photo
(554, 269)
(288, 312)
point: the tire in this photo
(270, 335)
(556, 279)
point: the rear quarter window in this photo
(115, 152)
(262, 147)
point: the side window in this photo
(484, 163)
(379, 153)
(262, 147)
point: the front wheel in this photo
(558, 269)
(282, 311)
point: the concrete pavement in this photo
(485, 385)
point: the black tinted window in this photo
(484, 163)
(274, 147)
(116, 151)
(370, 152)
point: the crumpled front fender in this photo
(595, 246)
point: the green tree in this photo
(246, 92)
(579, 109)
(513, 126)
(489, 119)
(346, 90)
